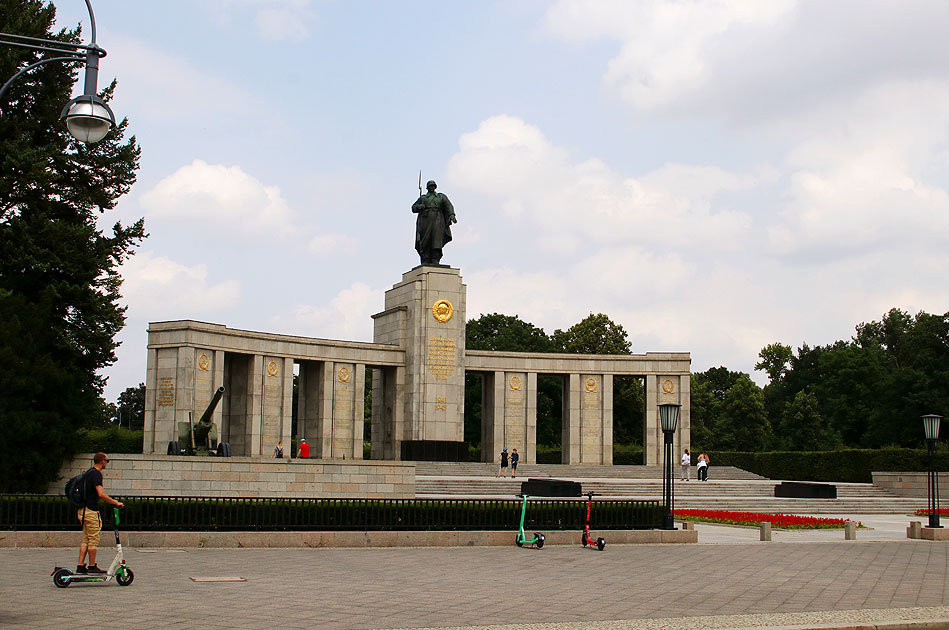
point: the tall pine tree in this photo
(59, 273)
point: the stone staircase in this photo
(728, 488)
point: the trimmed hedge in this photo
(110, 440)
(850, 465)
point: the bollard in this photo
(915, 530)
(688, 526)
(765, 530)
(850, 530)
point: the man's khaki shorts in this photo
(91, 526)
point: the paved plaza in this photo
(729, 579)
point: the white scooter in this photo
(63, 577)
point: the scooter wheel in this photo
(125, 577)
(600, 543)
(539, 540)
(583, 539)
(61, 578)
(518, 542)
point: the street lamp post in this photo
(668, 419)
(931, 427)
(88, 118)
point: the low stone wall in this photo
(336, 539)
(166, 475)
(910, 484)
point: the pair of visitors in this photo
(502, 469)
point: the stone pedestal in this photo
(425, 314)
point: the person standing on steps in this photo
(503, 467)
(89, 516)
(702, 466)
(514, 459)
(686, 462)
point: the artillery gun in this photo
(201, 437)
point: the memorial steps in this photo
(728, 489)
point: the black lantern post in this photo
(88, 118)
(668, 419)
(931, 427)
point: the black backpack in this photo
(76, 490)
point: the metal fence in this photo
(52, 512)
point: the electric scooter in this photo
(585, 538)
(63, 577)
(521, 539)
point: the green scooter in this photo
(63, 577)
(521, 539)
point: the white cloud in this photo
(225, 196)
(664, 46)
(164, 86)
(533, 181)
(160, 288)
(347, 316)
(332, 244)
(868, 186)
(276, 20)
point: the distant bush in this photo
(849, 465)
(628, 454)
(110, 440)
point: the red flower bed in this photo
(779, 521)
(925, 512)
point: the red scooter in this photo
(585, 539)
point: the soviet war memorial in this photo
(661, 340)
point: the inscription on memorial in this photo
(272, 408)
(441, 357)
(166, 391)
(441, 403)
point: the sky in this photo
(713, 175)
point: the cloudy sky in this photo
(713, 175)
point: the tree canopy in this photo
(59, 272)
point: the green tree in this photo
(130, 407)
(802, 428)
(59, 273)
(744, 425)
(505, 333)
(595, 334)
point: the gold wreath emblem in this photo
(591, 384)
(442, 310)
(668, 386)
(515, 382)
(272, 368)
(204, 361)
(343, 374)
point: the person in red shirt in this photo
(303, 451)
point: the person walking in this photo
(89, 516)
(686, 462)
(278, 450)
(702, 466)
(303, 451)
(503, 467)
(514, 459)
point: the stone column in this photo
(670, 391)
(341, 438)
(652, 433)
(321, 444)
(570, 443)
(286, 407)
(255, 395)
(529, 456)
(359, 411)
(151, 401)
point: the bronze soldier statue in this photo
(433, 226)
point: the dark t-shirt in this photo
(514, 458)
(93, 479)
(503, 460)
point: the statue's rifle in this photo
(420, 183)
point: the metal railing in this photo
(54, 513)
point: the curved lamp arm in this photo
(87, 117)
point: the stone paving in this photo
(729, 580)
